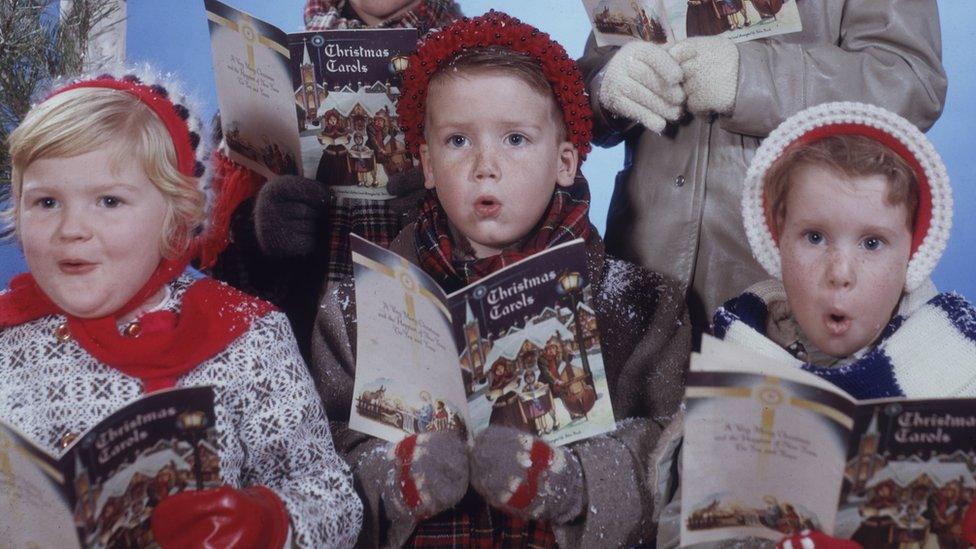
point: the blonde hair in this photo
(848, 155)
(83, 120)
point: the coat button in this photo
(679, 181)
(133, 330)
(67, 439)
(61, 332)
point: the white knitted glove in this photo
(642, 82)
(711, 73)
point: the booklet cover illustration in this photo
(616, 22)
(102, 490)
(518, 348)
(770, 450)
(319, 104)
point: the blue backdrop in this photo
(173, 36)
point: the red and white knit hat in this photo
(179, 113)
(934, 217)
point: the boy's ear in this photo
(568, 164)
(425, 165)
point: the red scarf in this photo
(567, 218)
(169, 345)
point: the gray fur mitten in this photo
(419, 476)
(711, 73)
(289, 216)
(642, 82)
(524, 476)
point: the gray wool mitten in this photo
(419, 476)
(523, 475)
(406, 183)
(289, 216)
(408, 188)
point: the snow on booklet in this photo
(102, 490)
(770, 449)
(616, 22)
(320, 104)
(504, 350)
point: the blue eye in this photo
(814, 237)
(110, 201)
(872, 243)
(457, 141)
(516, 139)
(46, 202)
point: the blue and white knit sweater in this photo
(928, 349)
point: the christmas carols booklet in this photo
(771, 449)
(319, 104)
(520, 348)
(102, 491)
(616, 22)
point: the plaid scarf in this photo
(566, 219)
(338, 14)
(473, 524)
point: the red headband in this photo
(495, 29)
(173, 115)
(923, 217)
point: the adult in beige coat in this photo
(675, 207)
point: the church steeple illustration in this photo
(867, 461)
(310, 94)
(476, 349)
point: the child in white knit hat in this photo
(848, 206)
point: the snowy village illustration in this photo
(888, 474)
(117, 512)
(910, 477)
(520, 348)
(318, 104)
(616, 22)
(102, 491)
(346, 94)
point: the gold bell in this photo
(133, 330)
(67, 439)
(61, 332)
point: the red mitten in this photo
(969, 524)
(808, 539)
(225, 517)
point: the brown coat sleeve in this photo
(334, 369)
(646, 339)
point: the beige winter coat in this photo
(675, 208)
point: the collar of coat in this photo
(927, 350)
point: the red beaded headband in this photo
(174, 116)
(495, 29)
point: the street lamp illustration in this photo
(399, 64)
(193, 423)
(570, 284)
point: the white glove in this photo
(711, 73)
(642, 82)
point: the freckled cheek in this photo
(881, 282)
(800, 266)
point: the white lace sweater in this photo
(272, 427)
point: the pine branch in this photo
(37, 46)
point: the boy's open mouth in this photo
(487, 206)
(837, 323)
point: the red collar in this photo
(212, 315)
